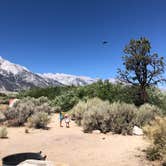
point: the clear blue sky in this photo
(65, 36)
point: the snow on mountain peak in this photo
(14, 77)
(9, 67)
(68, 79)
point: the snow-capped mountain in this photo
(67, 79)
(8, 67)
(14, 77)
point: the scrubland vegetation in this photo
(117, 117)
(100, 106)
(39, 120)
(25, 108)
(103, 105)
(156, 132)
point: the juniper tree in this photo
(141, 68)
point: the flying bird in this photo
(105, 42)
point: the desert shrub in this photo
(146, 113)
(39, 101)
(78, 111)
(3, 132)
(156, 132)
(43, 108)
(39, 120)
(18, 115)
(35, 101)
(23, 109)
(101, 115)
(153, 153)
(94, 106)
(117, 117)
(122, 118)
(96, 115)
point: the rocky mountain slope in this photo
(14, 77)
(67, 79)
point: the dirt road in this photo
(72, 146)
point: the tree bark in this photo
(143, 95)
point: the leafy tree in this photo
(65, 101)
(49, 92)
(142, 69)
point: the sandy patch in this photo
(72, 146)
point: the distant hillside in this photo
(14, 77)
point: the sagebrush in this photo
(97, 114)
(117, 117)
(23, 109)
(3, 132)
(156, 132)
(146, 113)
(39, 120)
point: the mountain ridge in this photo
(14, 77)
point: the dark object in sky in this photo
(105, 42)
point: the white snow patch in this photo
(68, 79)
(11, 67)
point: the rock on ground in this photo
(96, 131)
(137, 131)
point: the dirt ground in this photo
(75, 148)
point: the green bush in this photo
(146, 113)
(49, 92)
(157, 97)
(65, 101)
(23, 109)
(3, 132)
(156, 132)
(67, 96)
(39, 120)
(162, 104)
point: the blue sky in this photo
(64, 36)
